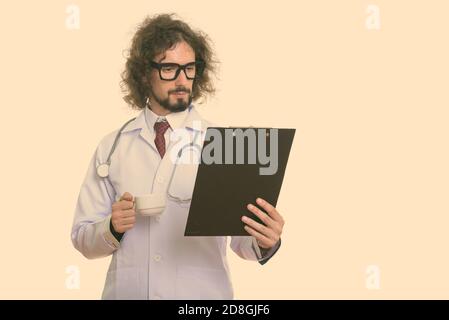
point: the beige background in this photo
(367, 182)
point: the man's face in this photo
(174, 95)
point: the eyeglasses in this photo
(170, 71)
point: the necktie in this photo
(159, 141)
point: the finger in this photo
(128, 220)
(127, 196)
(269, 233)
(262, 241)
(266, 219)
(122, 205)
(125, 228)
(126, 223)
(125, 204)
(128, 213)
(270, 210)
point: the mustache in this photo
(179, 90)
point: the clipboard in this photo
(223, 190)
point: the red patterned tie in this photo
(159, 141)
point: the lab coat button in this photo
(160, 180)
(157, 298)
(157, 258)
(158, 218)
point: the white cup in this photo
(150, 205)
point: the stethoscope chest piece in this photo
(103, 170)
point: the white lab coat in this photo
(153, 260)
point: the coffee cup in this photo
(150, 205)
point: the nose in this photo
(181, 79)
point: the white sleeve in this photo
(91, 234)
(247, 248)
(243, 247)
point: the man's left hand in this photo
(269, 234)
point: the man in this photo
(169, 66)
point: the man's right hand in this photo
(123, 214)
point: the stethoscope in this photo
(103, 168)
(193, 145)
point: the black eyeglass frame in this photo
(199, 68)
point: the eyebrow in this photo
(163, 57)
(176, 63)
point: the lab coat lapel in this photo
(193, 123)
(145, 134)
(140, 124)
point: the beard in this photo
(179, 105)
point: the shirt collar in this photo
(176, 120)
(188, 118)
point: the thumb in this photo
(127, 196)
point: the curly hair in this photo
(154, 36)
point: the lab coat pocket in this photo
(202, 283)
(181, 187)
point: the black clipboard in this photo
(223, 190)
